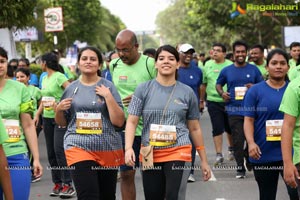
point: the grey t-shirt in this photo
(149, 101)
(85, 100)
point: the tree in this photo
(17, 13)
(202, 22)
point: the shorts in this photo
(218, 118)
(136, 148)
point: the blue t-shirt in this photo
(106, 74)
(237, 77)
(191, 76)
(262, 102)
(33, 80)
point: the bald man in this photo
(128, 71)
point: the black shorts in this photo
(136, 148)
(218, 118)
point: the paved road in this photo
(223, 186)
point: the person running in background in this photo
(239, 77)
(23, 76)
(16, 110)
(258, 59)
(168, 110)
(24, 62)
(192, 76)
(128, 71)
(93, 151)
(149, 52)
(53, 86)
(294, 53)
(215, 103)
(262, 126)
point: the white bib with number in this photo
(273, 130)
(240, 92)
(162, 135)
(88, 123)
(12, 129)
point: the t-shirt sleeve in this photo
(136, 104)
(116, 95)
(193, 109)
(249, 103)
(61, 79)
(259, 76)
(290, 101)
(222, 77)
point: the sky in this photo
(137, 15)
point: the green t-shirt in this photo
(68, 72)
(292, 63)
(211, 72)
(262, 68)
(3, 135)
(294, 73)
(290, 104)
(36, 95)
(127, 77)
(13, 97)
(52, 87)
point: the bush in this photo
(36, 69)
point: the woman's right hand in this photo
(65, 104)
(254, 151)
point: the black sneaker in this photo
(240, 175)
(56, 190)
(35, 179)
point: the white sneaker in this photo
(191, 178)
(219, 159)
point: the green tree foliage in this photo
(86, 21)
(202, 22)
(17, 13)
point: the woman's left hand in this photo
(103, 91)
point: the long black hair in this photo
(52, 62)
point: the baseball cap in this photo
(185, 48)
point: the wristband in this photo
(200, 147)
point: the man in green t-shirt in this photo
(294, 52)
(215, 103)
(290, 137)
(257, 55)
(128, 71)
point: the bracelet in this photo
(221, 93)
(200, 147)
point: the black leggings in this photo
(266, 176)
(167, 180)
(93, 182)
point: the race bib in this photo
(12, 129)
(48, 103)
(240, 92)
(162, 135)
(88, 123)
(273, 130)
